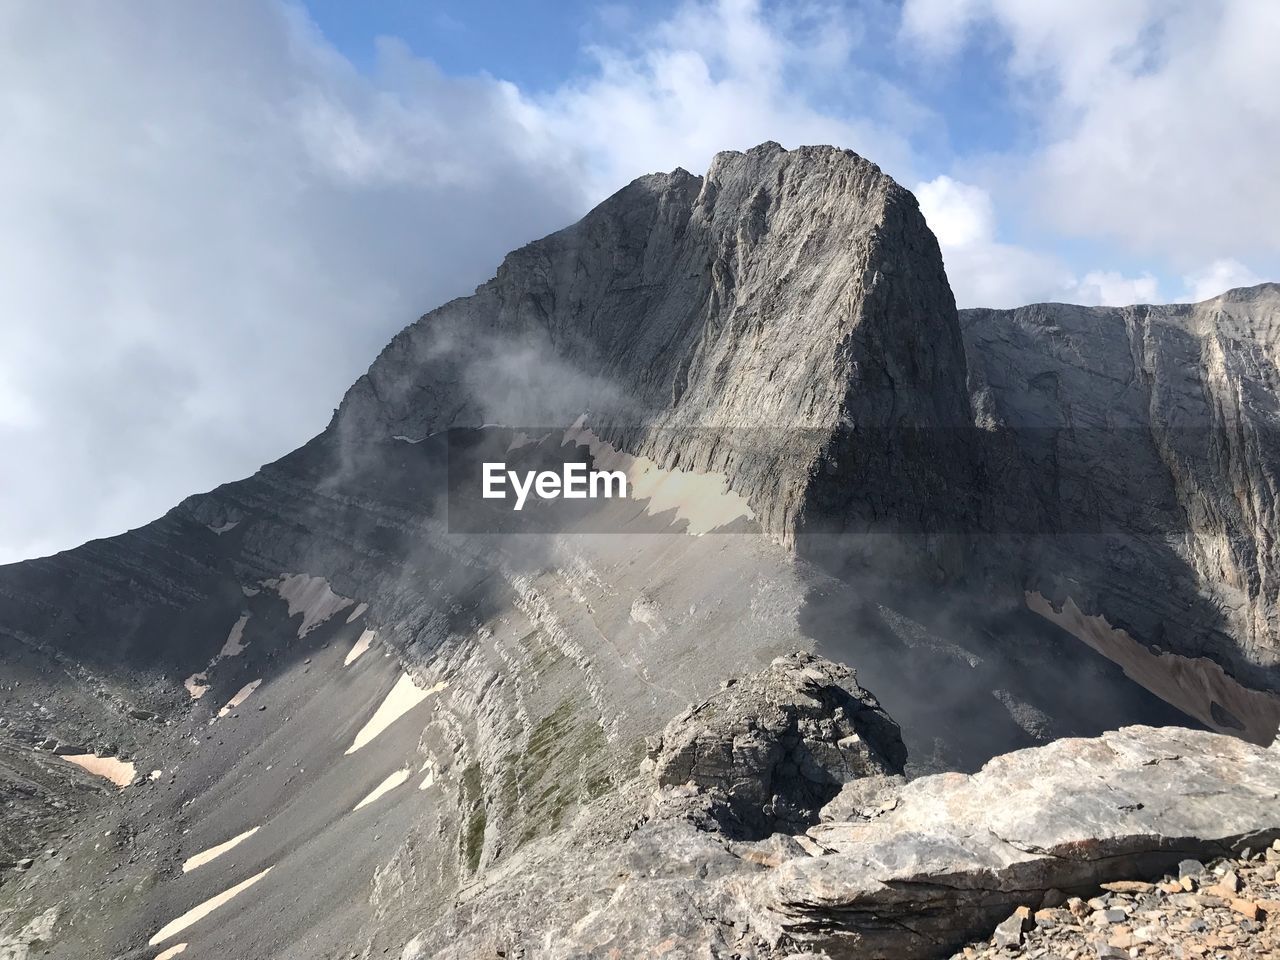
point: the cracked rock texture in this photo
(1137, 450)
(957, 853)
(1229, 908)
(896, 870)
(767, 753)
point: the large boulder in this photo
(896, 870)
(766, 753)
(953, 855)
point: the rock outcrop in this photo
(764, 755)
(896, 870)
(957, 853)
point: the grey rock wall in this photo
(1136, 453)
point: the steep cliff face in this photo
(739, 323)
(1136, 452)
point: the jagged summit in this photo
(794, 291)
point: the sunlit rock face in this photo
(745, 323)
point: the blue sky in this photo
(217, 214)
(539, 46)
(535, 45)
(962, 94)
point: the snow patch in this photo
(1197, 686)
(240, 697)
(199, 912)
(111, 768)
(204, 856)
(705, 501)
(387, 785)
(429, 768)
(404, 696)
(359, 647)
(172, 952)
(196, 685)
(223, 528)
(523, 439)
(309, 596)
(233, 647)
(357, 613)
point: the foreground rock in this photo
(768, 752)
(912, 870)
(655, 868)
(956, 854)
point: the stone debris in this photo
(1135, 919)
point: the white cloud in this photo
(958, 213)
(1111, 289)
(1218, 277)
(1114, 289)
(1158, 120)
(212, 224)
(722, 76)
(985, 272)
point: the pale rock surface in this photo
(927, 866)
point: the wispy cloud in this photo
(986, 272)
(212, 224)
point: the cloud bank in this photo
(1156, 127)
(212, 225)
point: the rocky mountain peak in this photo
(733, 323)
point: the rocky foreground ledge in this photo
(916, 870)
(886, 868)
